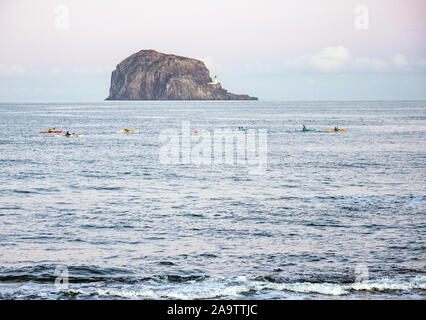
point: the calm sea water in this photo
(335, 215)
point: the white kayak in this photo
(69, 136)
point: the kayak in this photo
(306, 130)
(340, 130)
(128, 131)
(50, 131)
(69, 136)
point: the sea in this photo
(106, 215)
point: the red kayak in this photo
(50, 131)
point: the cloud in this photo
(330, 59)
(338, 59)
(370, 64)
(212, 65)
(399, 60)
(92, 70)
(19, 70)
(56, 71)
(82, 70)
(421, 63)
(12, 70)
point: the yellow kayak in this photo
(339, 130)
(128, 130)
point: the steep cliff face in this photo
(151, 75)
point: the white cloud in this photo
(421, 63)
(336, 59)
(56, 71)
(82, 70)
(330, 59)
(212, 65)
(93, 70)
(370, 64)
(399, 61)
(12, 70)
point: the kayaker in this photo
(67, 134)
(304, 128)
(336, 129)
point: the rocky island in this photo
(151, 75)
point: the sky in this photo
(274, 49)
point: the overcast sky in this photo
(276, 50)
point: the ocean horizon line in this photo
(233, 101)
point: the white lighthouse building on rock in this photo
(215, 81)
